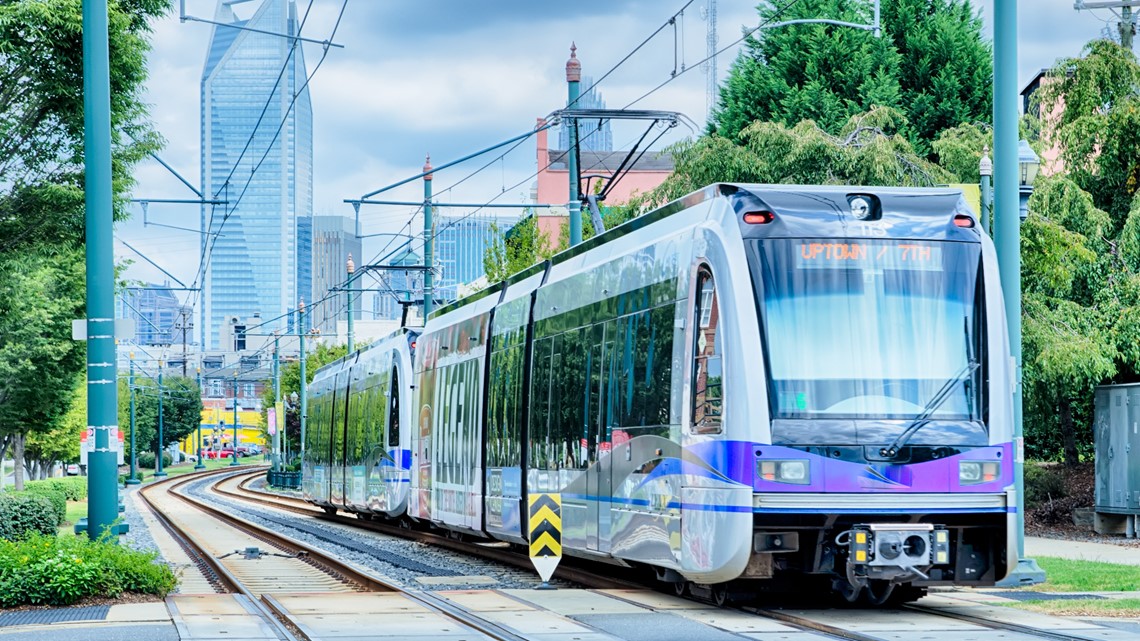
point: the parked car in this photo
(73, 469)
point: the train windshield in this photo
(870, 329)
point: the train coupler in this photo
(896, 552)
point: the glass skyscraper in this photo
(460, 243)
(257, 154)
(591, 137)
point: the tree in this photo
(931, 63)
(60, 444)
(1090, 110)
(868, 149)
(181, 410)
(41, 112)
(520, 247)
(39, 362)
(41, 193)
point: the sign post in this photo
(545, 534)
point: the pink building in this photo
(597, 169)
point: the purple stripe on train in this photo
(739, 460)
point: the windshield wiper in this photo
(923, 417)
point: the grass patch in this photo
(1067, 575)
(1124, 608)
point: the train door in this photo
(594, 429)
(608, 413)
(336, 437)
(395, 465)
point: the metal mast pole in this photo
(133, 479)
(429, 242)
(158, 473)
(277, 402)
(351, 267)
(102, 398)
(1007, 233)
(304, 394)
(573, 78)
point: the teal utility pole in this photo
(276, 464)
(573, 79)
(102, 397)
(133, 479)
(158, 473)
(351, 267)
(986, 169)
(429, 242)
(233, 447)
(304, 393)
(1007, 236)
(200, 465)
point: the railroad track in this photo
(919, 622)
(293, 587)
(237, 487)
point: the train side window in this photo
(394, 411)
(708, 396)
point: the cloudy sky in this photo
(449, 77)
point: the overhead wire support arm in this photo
(156, 265)
(421, 175)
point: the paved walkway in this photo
(1082, 550)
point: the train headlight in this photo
(974, 472)
(795, 471)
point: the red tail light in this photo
(964, 220)
(759, 217)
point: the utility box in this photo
(1117, 435)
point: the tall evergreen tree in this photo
(930, 63)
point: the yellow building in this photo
(218, 429)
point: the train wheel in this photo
(878, 593)
(720, 594)
(331, 511)
(680, 588)
(848, 592)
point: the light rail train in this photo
(754, 387)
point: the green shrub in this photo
(146, 459)
(294, 465)
(61, 570)
(1043, 483)
(57, 498)
(22, 514)
(139, 474)
(74, 488)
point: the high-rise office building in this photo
(257, 154)
(398, 285)
(334, 239)
(157, 315)
(460, 243)
(591, 137)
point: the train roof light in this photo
(964, 220)
(864, 207)
(759, 217)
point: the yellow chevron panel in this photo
(546, 540)
(545, 514)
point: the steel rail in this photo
(430, 601)
(503, 555)
(1000, 625)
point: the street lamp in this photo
(1028, 165)
(133, 479)
(233, 447)
(200, 465)
(158, 473)
(294, 400)
(986, 170)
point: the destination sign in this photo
(869, 255)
